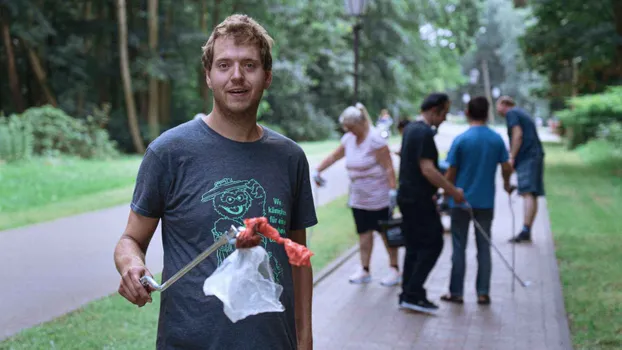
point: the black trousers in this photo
(423, 236)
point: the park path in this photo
(55, 267)
(347, 316)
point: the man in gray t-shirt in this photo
(205, 175)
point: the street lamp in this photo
(356, 8)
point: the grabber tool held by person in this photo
(228, 238)
(485, 234)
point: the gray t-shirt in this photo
(200, 183)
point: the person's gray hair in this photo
(354, 114)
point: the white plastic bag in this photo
(245, 284)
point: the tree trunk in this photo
(617, 16)
(153, 118)
(127, 82)
(18, 101)
(203, 88)
(486, 74)
(35, 62)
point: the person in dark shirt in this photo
(419, 180)
(527, 158)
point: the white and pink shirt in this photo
(369, 188)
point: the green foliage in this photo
(56, 133)
(567, 33)
(589, 112)
(612, 132)
(16, 138)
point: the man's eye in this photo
(250, 65)
(222, 65)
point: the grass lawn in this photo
(45, 189)
(113, 323)
(584, 194)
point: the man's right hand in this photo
(458, 195)
(131, 288)
(317, 178)
(508, 188)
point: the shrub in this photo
(587, 113)
(55, 133)
(16, 138)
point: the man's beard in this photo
(250, 111)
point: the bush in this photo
(16, 138)
(588, 113)
(612, 132)
(56, 133)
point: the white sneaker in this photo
(393, 278)
(360, 276)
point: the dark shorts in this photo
(367, 220)
(530, 176)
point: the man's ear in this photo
(207, 79)
(268, 81)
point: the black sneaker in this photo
(521, 237)
(422, 306)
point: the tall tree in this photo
(154, 128)
(127, 79)
(14, 83)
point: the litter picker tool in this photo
(479, 227)
(228, 238)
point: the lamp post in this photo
(356, 8)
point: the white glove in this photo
(317, 178)
(392, 198)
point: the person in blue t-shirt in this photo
(527, 158)
(473, 159)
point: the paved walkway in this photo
(350, 316)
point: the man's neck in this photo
(240, 128)
(476, 123)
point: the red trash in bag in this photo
(298, 254)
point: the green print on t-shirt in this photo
(236, 200)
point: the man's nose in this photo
(238, 73)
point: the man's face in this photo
(237, 77)
(500, 109)
(441, 115)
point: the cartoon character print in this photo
(234, 201)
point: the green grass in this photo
(113, 323)
(584, 194)
(45, 189)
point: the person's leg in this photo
(528, 175)
(366, 245)
(429, 247)
(409, 215)
(484, 261)
(366, 242)
(460, 220)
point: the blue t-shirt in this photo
(475, 154)
(530, 145)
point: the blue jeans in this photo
(460, 222)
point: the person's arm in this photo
(517, 140)
(428, 169)
(303, 296)
(451, 175)
(337, 154)
(383, 156)
(129, 257)
(506, 166)
(147, 207)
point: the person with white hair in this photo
(373, 194)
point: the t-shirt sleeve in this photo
(428, 147)
(453, 154)
(303, 208)
(512, 118)
(377, 141)
(152, 186)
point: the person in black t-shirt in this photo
(419, 180)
